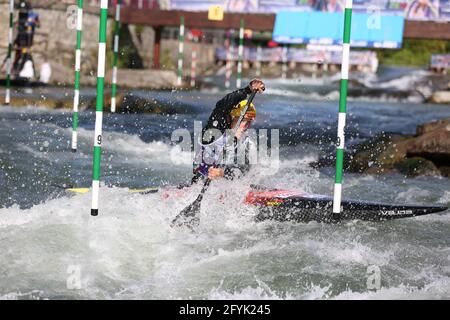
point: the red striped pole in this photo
(258, 61)
(194, 61)
(240, 55)
(180, 52)
(284, 63)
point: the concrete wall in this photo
(56, 41)
(205, 54)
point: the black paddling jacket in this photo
(220, 119)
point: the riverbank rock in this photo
(129, 102)
(427, 153)
(48, 103)
(431, 126)
(440, 97)
(433, 145)
(379, 154)
(376, 155)
(148, 79)
(417, 166)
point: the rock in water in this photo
(427, 153)
(379, 154)
(416, 166)
(427, 127)
(440, 97)
(433, 146)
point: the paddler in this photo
(223, 118)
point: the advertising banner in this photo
(300, 55)
(436, 10)
(440, 61)
(368, 30)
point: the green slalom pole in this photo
(116, 54)
(342, 108)
(76, 95)
(180, 52)
(99, 106)
(240, 55)
(8, 58)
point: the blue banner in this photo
(385, 31)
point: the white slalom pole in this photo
(9, 54)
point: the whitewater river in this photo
(50, 246)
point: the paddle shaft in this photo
(204, 188)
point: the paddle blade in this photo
(189, 216)
(78, 190)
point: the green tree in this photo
(414, 52)
(129, 57)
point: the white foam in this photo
(412, 195)
(349, 252)
(437, 289)
(135, 150)
(406, 82)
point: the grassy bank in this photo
(413, 53)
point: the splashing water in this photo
(52, 248)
